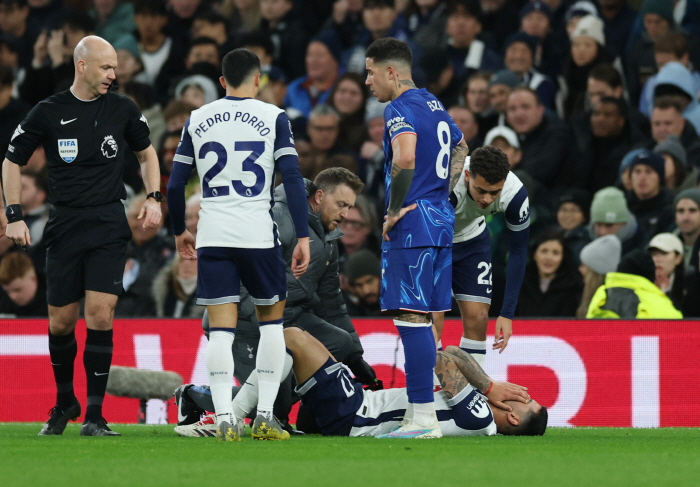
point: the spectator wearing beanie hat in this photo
(519, 57)
(537, 19)
(500, 86)
(679, 174)
(597, 258)
(363, 271)
(572, 217)
(631, 293)
(655, 20)
(322, 68)
(587, 51)
(649, 200)
(610, 216)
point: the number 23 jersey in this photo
(420, 114)
(235, 143)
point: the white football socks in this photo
(269, 364)
(247, 397)
(424, 413)
(219, 361)
(474, 348)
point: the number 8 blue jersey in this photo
(431, 224)
(235, 143)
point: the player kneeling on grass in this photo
(342, 408)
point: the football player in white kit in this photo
(467, 401)
(486, 187)
(237, 142)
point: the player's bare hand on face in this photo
(390, 221)
(505, 391)
(301, 257)
(150, 214)
(18, 233)
(504, 330)
(185, 246)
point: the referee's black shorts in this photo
(86, 250)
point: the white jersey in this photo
(466, 414)
(470, 219)
(235, 143)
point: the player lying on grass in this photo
(342, 408)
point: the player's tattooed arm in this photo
(401, 179)
(474, 374)
(459, 155)
(451, 378)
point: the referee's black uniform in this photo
(85, 143)
(87, 232)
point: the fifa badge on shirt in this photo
(109, 147)
(68, 149)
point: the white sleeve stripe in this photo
(517, 228)
(181, 158)
(285, 151)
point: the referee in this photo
(86, 132)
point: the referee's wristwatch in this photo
(157, 195)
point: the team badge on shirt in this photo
(109, 147)
(68, 149)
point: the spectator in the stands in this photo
(475, 94)
(380, 19)
(552, 285)
(640, 64)
(142, 95)
(176, 114)
(667, 252)
(505, 139)
(359, 228)
(598, 258)
(197, 90)
(672, 47)
(23, 289)
(287, 33)
(15, 21)
(129, 63)
(148, 251)
(675, 81)
(35, 205)
(243, 15)
(175, 290)
(440, 76)
(572, 217)
(349, 98)
(323, 130)
(203, 50)
(650, 201)
(213, 25)
(576, 12)
(468, 125)
(536, 19)
(501, 18)
(619, 20)
(587, 51)
(425, 22)
(12, 110)
(545, 142)
(466, 52)
(52, 68)
(602, 143)
(610, 216)
(679, 174)
(500, 86)
(181, 15)
(687, 208)
(363, 271)
(520, 50)
(667, 119)
(322, 68)
(346, 21)
(631, 293)
(114, 18)
(163, 56)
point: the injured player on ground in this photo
(467, 401)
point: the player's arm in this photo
(518, 223)
(182, 168)
(287, 162)
(403, 167)
(459, 155)
(150, 170)
(497, 392)
(25, 139)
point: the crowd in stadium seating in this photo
(595, 103)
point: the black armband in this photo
(400, 185)
(14, 213)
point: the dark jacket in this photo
(655, 215)
(576, 239)
(546, 153)
(166, 298)
(561, 299)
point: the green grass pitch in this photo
(154, 455)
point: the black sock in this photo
(97, 359)
(62, 350)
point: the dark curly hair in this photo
(490, 163)
(389, 49)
